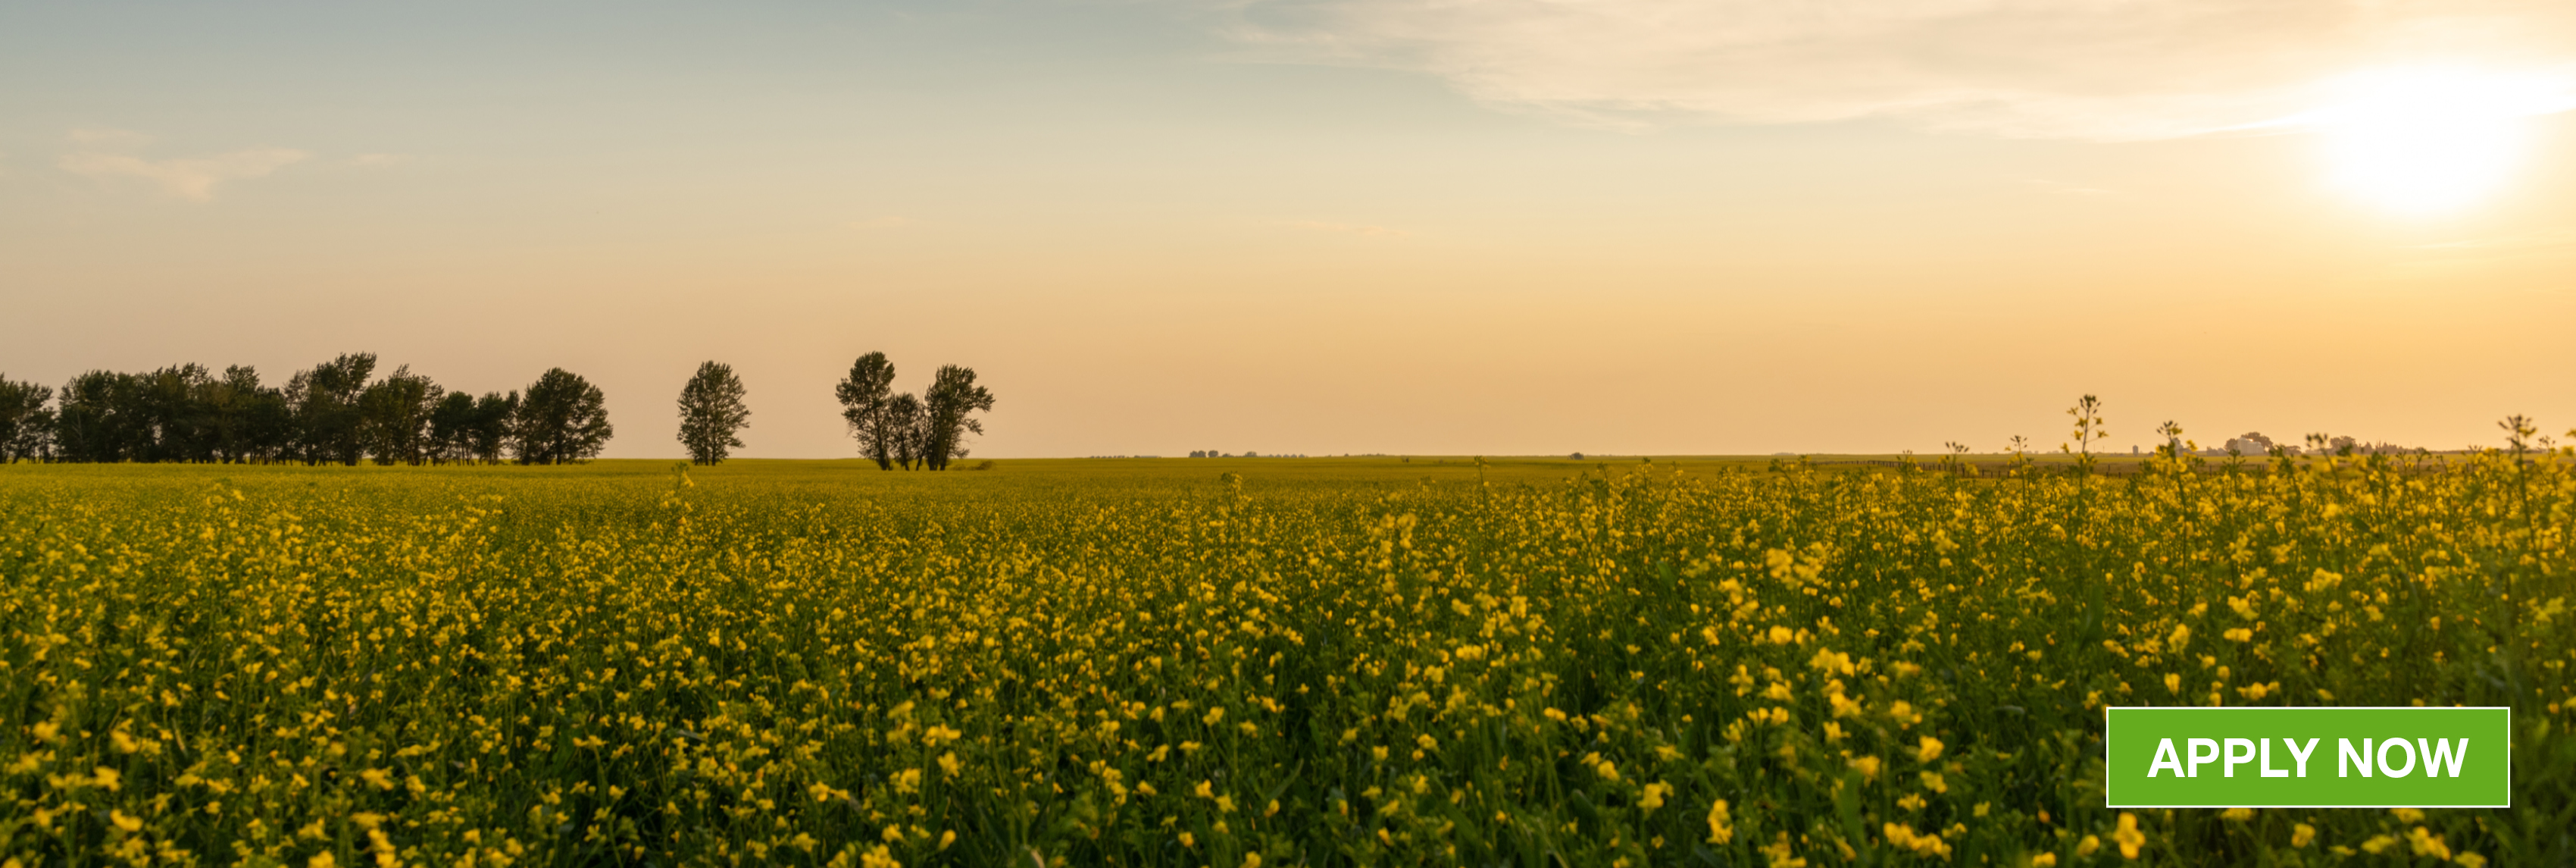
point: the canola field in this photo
(1244, 663)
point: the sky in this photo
(1506, 227)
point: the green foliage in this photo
(1312, 662)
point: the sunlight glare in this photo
(2431, 141)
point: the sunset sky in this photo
(1329, 226)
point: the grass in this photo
(1241, 662)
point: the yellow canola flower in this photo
(1902, 835)
(1928, 750)
(1831, 662)
(1721, 825)
(2128, 836)
(2301, 834)
(2425, 843)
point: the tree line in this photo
(336, 412)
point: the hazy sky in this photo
(1327, 226)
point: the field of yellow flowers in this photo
(1305, 663)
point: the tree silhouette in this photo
(867, 396)
(100, 418)
(946, 406)
(324, 400)
(245, 421)
(711, 411)
(494, 427)
(394, 415)
(906, 430)
(26, 424)
(451, 429)
(561, 420)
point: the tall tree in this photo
(324, 401)
(712, 413)
(100, 419)
(170, 404)
(243, 420)
(451, 429)
(946, 408)
(906, 433)
(865, 397)
(495, 426)
(562, 419)
(393, 417)
(26, 423)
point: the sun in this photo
(2430, 141)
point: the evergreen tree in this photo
(712, 412)
(561, 420)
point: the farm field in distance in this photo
(1247, 662)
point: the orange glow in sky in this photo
(1329, 226)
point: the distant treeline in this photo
(337, 412)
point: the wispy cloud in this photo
(375, 161)
(110, 154)
(881, 223)
(1346, 228)
(2087, 69)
